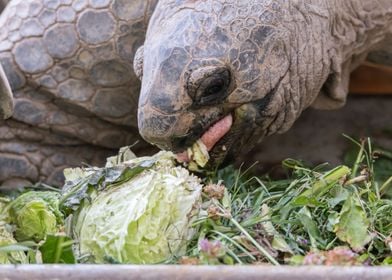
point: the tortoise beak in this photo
(6, 100)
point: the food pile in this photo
(151, 210)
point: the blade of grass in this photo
(358, 159)
(231, 253)
(235, 243)
(384, 186)
(270, 258)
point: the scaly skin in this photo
(69, 64)
(263, 61)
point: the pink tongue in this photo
(212, 135)
(216, 132)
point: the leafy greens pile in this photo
(149, 210)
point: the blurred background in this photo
(317, 136)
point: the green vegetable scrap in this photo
(8, 253)
(36, 214)
(57, 249)
(352, 224)
(198, 156)
(316, 216)
(143, 214)
(149, 210)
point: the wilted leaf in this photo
(80, 183)
(310, 226)
(73, 174)
(226, 200)
(124, 154)
(339, 194)
(278, 242)
(352, 226)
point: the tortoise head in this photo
(203, 61)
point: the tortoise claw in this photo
(6, 100)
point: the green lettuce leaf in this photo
(143, 218)
(36, 214)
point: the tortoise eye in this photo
(212, 89)
(209, 85)
(215, 87)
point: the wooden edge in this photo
(371, 79)
(169, 272)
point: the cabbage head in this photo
(36, 214)
(142, 217)
(7, 238)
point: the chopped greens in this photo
(198, 156)
(144, 217)
(148, 210)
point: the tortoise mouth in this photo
(221, 142)
(228, 146)
(222, 152)
(217, 131)
(212, 136)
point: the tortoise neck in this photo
(358, 26)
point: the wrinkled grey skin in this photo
(263, 61)
(69, 64)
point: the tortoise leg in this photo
(43, 163)
(31, 155)
(6, 102)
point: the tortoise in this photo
(256, 63)
(69, 64)
(250, 68)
